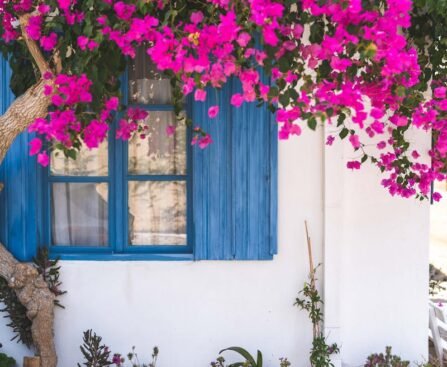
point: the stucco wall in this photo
(376, 284)
(376, 256)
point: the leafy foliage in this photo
(385, 360)
(249, 360)
(429, 33)
(132, 357)
(50, 271)
(95, 353)
(311, 302)
(354, 57)
(16, 312)
(6, 361)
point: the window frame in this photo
(118, 178)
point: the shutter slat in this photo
(211, 183)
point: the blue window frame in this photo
(231, 190)
(121, 187)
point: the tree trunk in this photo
(31, 289)
(25, 109)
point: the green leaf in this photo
(71, 154)
(284, 64)
(344, 133)
(312, 123)
(245, 354)
(316, 32)
(259, 359)
(401, 91)
(341, 119)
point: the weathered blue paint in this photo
(18, 199)
(232, 190)
(235, 194)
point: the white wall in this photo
(376, 278)
(192, 310)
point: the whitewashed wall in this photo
(376, 258)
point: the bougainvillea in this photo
(347, 64)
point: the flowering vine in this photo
(346, 64)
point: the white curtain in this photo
(80, 214)
(146, 84)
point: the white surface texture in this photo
(375, 279)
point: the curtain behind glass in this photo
(79, 214)
(159, 153)
(146, 84)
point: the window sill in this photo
(122, 257)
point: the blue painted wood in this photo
(18, 201)
(273, 185)
(235, 188)
(123, 257)
(232, 192)
(4, 97)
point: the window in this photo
(152, 199)
(125, 197)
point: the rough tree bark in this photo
(31, 289)
(31, 105)
(33, 293)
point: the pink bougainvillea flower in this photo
(34, 27)
(170, 130)
(196, 17)
(209, 47)
(243, 39)
(353, 165)
(200, 95)
(124, 11)
(82, 42)
(354, 140)
(112, 103)
(43, 159)
(47, 90)
(237, 99)
(440, 92)
(48, 75)
(436, 196)
(381, 145)
(213, 111)
(95, 133)
(35, 146)
(205, 141)
(48, 43)
(137, 114)
(330, 140)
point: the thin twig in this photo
(309, 250)
(33, 48)
(316, 327)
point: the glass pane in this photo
(88, 162)
(79, 214)
(157, 213)
(146, 84)
(159, 153)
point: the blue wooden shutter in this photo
(234, 182)
(18, 230)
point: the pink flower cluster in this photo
(354, 76)
(69, 118)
